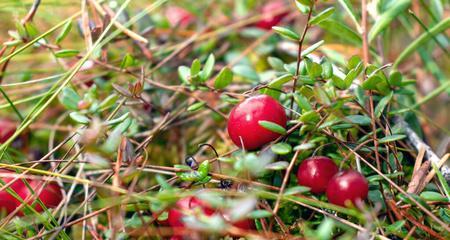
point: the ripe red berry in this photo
(245, 224)
(182, 208)
(7, 129)
(178, 16)
(316, 172)
(8, 202)
(243, 122)
(347, 186)
(268, 20)
(50, 195)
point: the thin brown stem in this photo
(299, 54)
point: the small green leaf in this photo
(281, 148)
(314, 69)
(354, 61)
(325, 230)
(310, 117)
(184, 73)
(445, 215)
(395, 79)
(109, 101)
(302, 102)
(442, 180)
(195, 67)
(304, 146)
(327, 68)
(196, 106)
(117, 120)
(338, 82)
(259, 214)
(278, 85)
(64, 32)
(359, 119)
(396, 226)
(272, 127)
(322, 16)
(31, 29)
(406, 199)
(287, 33)
(296, 190)
(79, 118)
(371, 82)
(69, 98)
(224, 78)
(281, 165)
(66, 53)
(208, 68)
(433, 196)
(183, 167)
(301, 7)
(312, 48)
(322, 96)
(353, 74)
(382, 104)
(276, 63)
(377, 177)
(305, 2)
(340, 30)
(127, 61)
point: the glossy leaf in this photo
(64, 32)
(272, 127)
(208, 68)
(322, 16)
(69, 98)
(66, 53)
(287, 33)
(281, 148)
(224, 78)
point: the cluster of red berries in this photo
(318, 173)
(180, 17)
(188, 205)
(321, 175)
(50, 195)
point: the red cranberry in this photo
(182, 208)
(268, 20)
(7, 129)
(50, 195)
(316, 172)
(8, 202)
(243, 123)
(179, 17)
(347, 186)
(245, 224)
